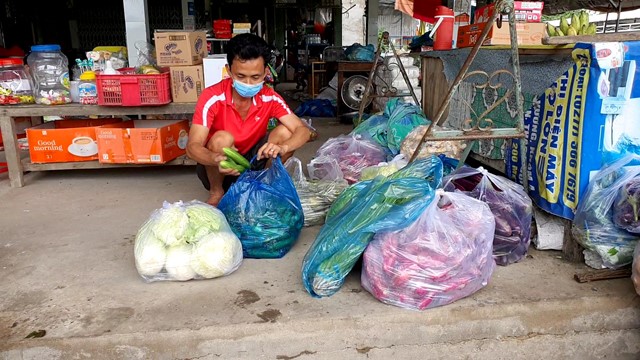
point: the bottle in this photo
(50, 70)
(87, 89)
(108, 69)
(15, 82)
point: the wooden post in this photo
(571, 250)
(12, 150)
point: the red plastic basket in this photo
(131, 89)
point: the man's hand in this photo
(271, 150)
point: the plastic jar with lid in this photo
(87, 89)
(50, 71)
(15, 82)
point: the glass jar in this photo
(15, 83)
(87, 89)
(50, 71)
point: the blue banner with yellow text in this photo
(588, 117)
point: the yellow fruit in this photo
(575, 22)
(591, 29)
(584, 18)
(559, 32)
(583, 30)
(564, 25)
(572, 32)
(551, 30)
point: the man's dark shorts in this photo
(229, 180)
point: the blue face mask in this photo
(247, 91)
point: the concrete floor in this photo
(66, 267)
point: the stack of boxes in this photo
(529, 26)
(222, 29)
(182, 52)
(241, 28)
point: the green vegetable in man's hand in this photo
(236, 157)
(227, 164)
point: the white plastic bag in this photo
(384, 169)
(186, 241)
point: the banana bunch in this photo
(147, 70)
(579, 25)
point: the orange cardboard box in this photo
(528, 34)
(142, 141)
(65, 140)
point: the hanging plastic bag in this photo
(316, 196)
(442, 257)
(368, 207)
(511, 207)
(186, 241)
(264, 211)
(593, 226)
(353, 153)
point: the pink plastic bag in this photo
(443, 256)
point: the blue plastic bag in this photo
(264, 211)
(389, 203)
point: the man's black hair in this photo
(248, 47)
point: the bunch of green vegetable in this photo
(316, 196)
(234, 161)
(186, 241)
(391, 203)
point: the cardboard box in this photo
(142, 141)
(65, 140)
(525, 11)
(215, 69)
(187, 83)
(180, 47)
(528, 34)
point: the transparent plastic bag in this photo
(593, 226)
(316, 196)
(264, 211)
(324, 167)
(444, 256)
(353, 153)
(509, 203)
(186, 241)
(635, 271)
(382, 204)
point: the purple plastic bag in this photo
(511, 206)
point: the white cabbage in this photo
(170, 224)
(178, 263)
(216, 254)
(149, 252)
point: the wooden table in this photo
(17, 166)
